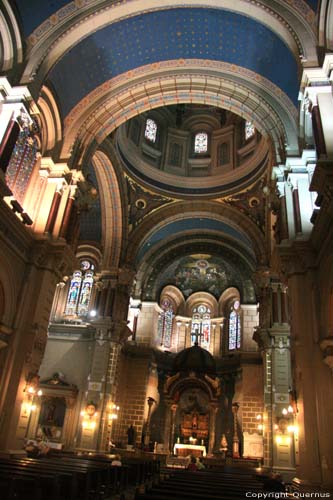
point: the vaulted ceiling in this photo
(106, 61)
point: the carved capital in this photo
(126, 276)
(326, 346)
(292, 258)
(262, 337)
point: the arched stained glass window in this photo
(80, 289)
(73, 293)
(85, 293)
(23, 159)
(249, 130)
(165, 324)
(201, 326)
(201, 142)
(234, 327)
(151, 130)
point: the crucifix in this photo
(197, 334)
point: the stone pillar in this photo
(49, 261)
(235, 439)
(212, 433)
(172, 426)
(102, 384)
(150, 402)
(296, 259)
(168, 427)
(273, 338)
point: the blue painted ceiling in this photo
(34, 12)
(191, 224)
(173, 34)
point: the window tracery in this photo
(165, 324)
(79, 293)
(151, 130)
(201, 326)
(201, 142)
(249, 130)
(235, 327)
(23, 158)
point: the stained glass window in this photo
(234, 327)
(85, 294)
(201, 326)
(151, 130)
(201, 142)
(73, 293)
(80, 289)
(249, 130)
(165, 324)
(23, 159)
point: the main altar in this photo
(183, 450)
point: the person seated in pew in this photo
(200, 464)
(274, 483)
(193, 464)
(116, 461)
(32, 449)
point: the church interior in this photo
(166, 256)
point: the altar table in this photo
(182, 450)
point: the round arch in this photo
(183, 210)
(112, 213)
(214, 83)
(59, 33)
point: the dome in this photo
(195, 359)
(191, 149)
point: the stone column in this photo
(273, 338)
(212, 432)
(235, 439)
(168, 427)
(150, 402)
(49, 261)
(173, 423)
(297, 260)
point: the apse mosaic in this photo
(200, 272)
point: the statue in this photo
(131, 435)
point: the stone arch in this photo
(228, 295)
(215, 83)
(58, 34)
(11, 50)
(176, 296)
(182, 210)
(112, 213)
(201, 297)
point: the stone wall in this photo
(132, 389)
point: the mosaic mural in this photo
(201, 272)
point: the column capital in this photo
(263, 339)
(326, 346)
(296, 257)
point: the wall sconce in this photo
(260, 425)
(32, 383)
(31, 391)
(113, 411)
(293, 400)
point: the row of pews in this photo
(226, 484)
(72, 477)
